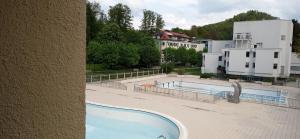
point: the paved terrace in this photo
(207, 120)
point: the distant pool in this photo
(246, 94)
(118, 123)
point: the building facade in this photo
(258, 48)
(169, 39)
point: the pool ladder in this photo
(161, 137)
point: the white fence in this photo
(121, 76)
(182, 94)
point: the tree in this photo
(95, 20)
(121, 15)
(108, 55)
(200, 58)
(160, 23)
(296, 36)
(92, 48)
(129, 55)
(150, 56)
(169, 54)
(192, 56)
(111, 33)
(181, 56)
(151, 22)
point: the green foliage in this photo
(192, 56)
(121, 15)
(207, 75)
(151, 22)
(223, 30)
(169, 54)
(296, 36)
(108, 55)
(95, 19)
(111, 33)
(181, 56)
(200, 58)
(150, 56)
(129, 55)
(169, 67)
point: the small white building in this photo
(259, 48)
(176, 40)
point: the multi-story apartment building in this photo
(259, 48)
(175, 40)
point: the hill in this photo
(223, 30)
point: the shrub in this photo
(169, 67)
(207, 75)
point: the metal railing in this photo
(182, 94)
(121, 76)
(112, 84)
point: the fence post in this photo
(153, 71)
(130, 74)
(148, 72)
(124, 75)
(109, 77)
(117, 76)
(143, 73)
(100, 78)
(137, 74)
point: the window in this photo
(247, 54)
(274, 66)
(254, 54)
(227, 63)
(283, 37)
(228, 53)
(220, 58)
(253, 65)
(255, 46)
(296, 68)
(224, 63)
(275, 54)
(163, 43)
(247, 65)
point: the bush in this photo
(207, 75)
(169, 67)
(180, 71)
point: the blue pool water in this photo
(104, 122)
(247, 94)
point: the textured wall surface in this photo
(42, 68)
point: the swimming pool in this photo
(246, 94)
(122, 123)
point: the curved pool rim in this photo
(183, 132)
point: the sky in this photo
(185, 13)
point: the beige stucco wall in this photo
(42, 68)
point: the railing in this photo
(121, 76)
(112, 84)
(182, 94)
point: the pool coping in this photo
(183, 132)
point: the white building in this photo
(175, 40)
(259, 48)
(295, 64)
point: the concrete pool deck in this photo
(208, 120)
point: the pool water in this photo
(247, 94)
(103, 122)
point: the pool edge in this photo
(183, 132)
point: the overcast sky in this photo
(185, 13)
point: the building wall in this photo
(42, 66)
(218, 45)
(210, 62)
(178, 44)
(295, 64)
